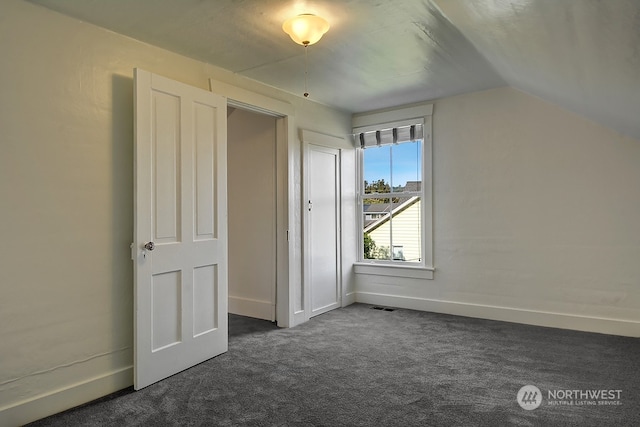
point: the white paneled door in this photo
(323, 228)
(180, 227)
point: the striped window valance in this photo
(389, 133)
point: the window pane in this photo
(398, 253)
(406, 166)
(392, 224)
(407, 232)
(377, 170)
(377, 228)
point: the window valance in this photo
(390, 133)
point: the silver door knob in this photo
(149, 246)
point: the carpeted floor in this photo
(359, 366)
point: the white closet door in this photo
(323, 228)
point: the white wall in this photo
(66, 209)
(251, 154)
(536, 218)
(535, 209)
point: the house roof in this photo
(395, 208)
(580, 55)
(382, 208)
(413, 186)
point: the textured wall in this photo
(535, 209)
(66, 185)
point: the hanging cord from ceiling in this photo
(306, 70)
(305, 29)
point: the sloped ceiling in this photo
(583, 55)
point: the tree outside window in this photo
(391, 202)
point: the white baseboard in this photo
(65, 398)
(539, 318)
(299, 317)
(252, 308)
(349, 299)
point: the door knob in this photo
(149, 246)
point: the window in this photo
(394, 196)
(398, 253)
(391, 201)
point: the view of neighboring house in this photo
(394, 228)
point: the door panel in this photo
(165, 149)
(205, 291)
(166, 294)
(323, 260)
(180, 206)
(205, 169)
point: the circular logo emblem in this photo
(529, 397)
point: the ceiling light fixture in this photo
(305, 29)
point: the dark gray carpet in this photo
(359, 366)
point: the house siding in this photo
(406, 232)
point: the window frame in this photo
(419, 114)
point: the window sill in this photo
(410, 272)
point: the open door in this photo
(180, 227)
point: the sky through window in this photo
(395, 164)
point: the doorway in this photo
(252, 213)
(289, 293)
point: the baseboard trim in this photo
(299, 317)
(66, 398)
(252, 308)
(349, 299)
(529, 317)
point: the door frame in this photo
(331, 143)
(287, 257)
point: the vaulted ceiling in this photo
(583, 55)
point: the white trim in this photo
(381, 117)
(243, 98)
(66, 397)
(427, 194)
(389, 125)
(391, 115)
(299, 317)
(600, 325)
(252, 308)
(286, 256)
(393, 270)
(349, 298)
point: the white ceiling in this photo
(583, 55)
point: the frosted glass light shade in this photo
(305, 29)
